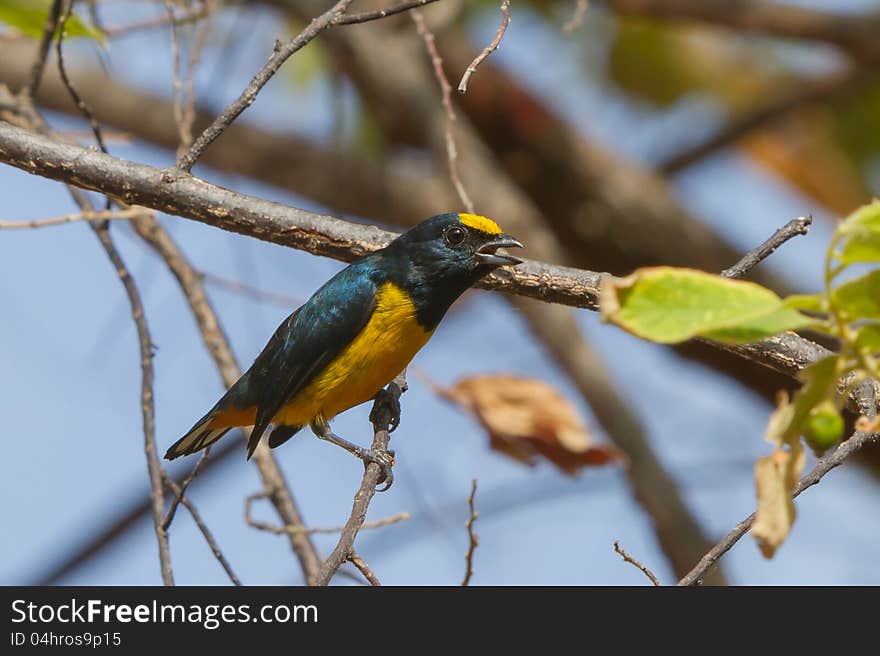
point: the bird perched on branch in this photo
(354, 335)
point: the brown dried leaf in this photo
(526, 418)
(775, 478)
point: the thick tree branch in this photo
(189, 197)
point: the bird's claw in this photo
(385, 460)
(386, 402)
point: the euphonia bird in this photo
(354, 335)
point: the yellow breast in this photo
(382, 350)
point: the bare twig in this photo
(473, 539)
(178, 493)
(154, 466)
(793, 228)
(633, 561)
(841, 453)
(176, 84)
(364, 569)
(239, 287)
(577, 18)
(106, 215)
(188, 15)
(365, 16)
(178, 497)
(446, 91)
(71, 89)
(488, 50)
(281, 53)
(149, 229)
(122, 519)
(382, 418)
(39, 64)
(303, 530)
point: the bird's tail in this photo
(199, 436)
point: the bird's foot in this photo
(385, 414)
(385, 460)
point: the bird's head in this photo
(458, 245)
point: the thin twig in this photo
(841, 453)
(145, 343)
(382, 417)
(280, 55)
(176, 84)
(446, 90)
(215, 340)
(243, 288)
(793, 228)
(488, 50)
(188, 15)
(81, 105)
(303, 530)
(633, 561)
(178, 493)
(364, 569)
(106, 215)
(169, 516)
(39, 65)
(473, 539)
(577, 18)
(365, 16)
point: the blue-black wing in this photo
(307, 341)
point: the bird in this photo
(354, 336)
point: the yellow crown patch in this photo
(481, 223)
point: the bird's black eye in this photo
(454, 235)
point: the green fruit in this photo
(824, 427)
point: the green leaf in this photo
(868, 338)
(859, 298)
(807, 302)
(867, 217)
(860, 246)
(756, 329)
(861, 231)
(670, 305)
(29, 18)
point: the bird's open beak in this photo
(488, 253)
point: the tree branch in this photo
(841, 453)
(635, 563)
(382, 418)
(39, 64)
(488, 50)
(280, 495)
(799, 226)
(281, 54)
(473, 541)
(189, 197)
